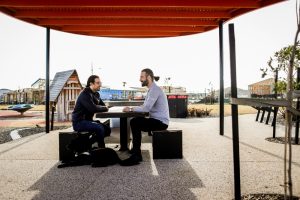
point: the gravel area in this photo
(265, 197)
(31, 131)
(4, 134)
(5, 137)
(280, 140)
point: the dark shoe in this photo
(137, 156)
(132, 160)
(134, 151)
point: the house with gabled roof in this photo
(264, 87)
(64, 91)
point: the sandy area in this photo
(227, 109)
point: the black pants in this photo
(92, 127)
(139, 124)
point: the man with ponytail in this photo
(156, 104)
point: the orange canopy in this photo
(130, 18)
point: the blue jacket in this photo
(88, 103)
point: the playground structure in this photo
(21, 108)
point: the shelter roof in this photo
(130, 18)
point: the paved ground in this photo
(28, 167)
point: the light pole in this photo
(124, 84)
(211, 92)
(92, 68)
(167, 83)
(205, 95)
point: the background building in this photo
(262, 88)
(3, 93)
(32, 95)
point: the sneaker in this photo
(134, 159)
(137, 156)
(133, 151)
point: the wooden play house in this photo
(64, 91)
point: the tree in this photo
(287, 60)
(280, 63)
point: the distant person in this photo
(156, 104)
(88, 103)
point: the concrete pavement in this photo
(28, 167)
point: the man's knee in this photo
(99, 129)
(135, 122)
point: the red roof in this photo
(130, 18)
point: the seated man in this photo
(156, 104)
(87, 104)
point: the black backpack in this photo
(99, 157)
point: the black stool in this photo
(167, 144)
(65, 139)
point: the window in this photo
(71, 105)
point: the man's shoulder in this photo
(158, 89)
(83, 92)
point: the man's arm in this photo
(149, 102)
(101, 103)
(89, 104)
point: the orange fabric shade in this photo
(130, 18)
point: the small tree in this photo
(279, 63)
(287, 60)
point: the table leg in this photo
(123, 134)
(128, 130)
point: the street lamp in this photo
(92, 68)
(167, 83)
(211, 92)
(124, 84)
(205, 95)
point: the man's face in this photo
(96, 85)
(144, 79)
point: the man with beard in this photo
(156, 104)
(87, 104)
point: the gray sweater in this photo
(156, 104)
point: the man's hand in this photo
(126, 109)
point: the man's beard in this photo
(98, 89)
(145, 83)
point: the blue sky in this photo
(190, 61)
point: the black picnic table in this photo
(116, 112)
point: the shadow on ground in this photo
(161, 179)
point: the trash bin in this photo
(178, 105)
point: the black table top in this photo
(124, 103)
(116, 112)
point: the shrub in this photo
(199, 112)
